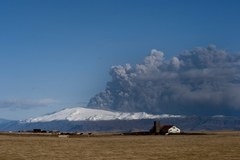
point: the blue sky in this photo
(55, 54)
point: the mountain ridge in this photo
(95, 120)
(188, 123)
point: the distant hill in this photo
(85, 119)
(2, 121)
(191, 123)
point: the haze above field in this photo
(57, 54)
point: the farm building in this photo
(163, 129)
(169, 129)
(156, 127)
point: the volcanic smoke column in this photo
(202, 81)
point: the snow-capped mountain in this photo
(87, 114)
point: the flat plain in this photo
(219, 145)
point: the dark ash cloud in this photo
(202, 81)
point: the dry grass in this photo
(212, 147)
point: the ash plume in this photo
(201, 81)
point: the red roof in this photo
(165, 128)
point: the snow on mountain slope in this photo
(87, 114)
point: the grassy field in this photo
(223, 145)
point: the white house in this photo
(169, 129)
